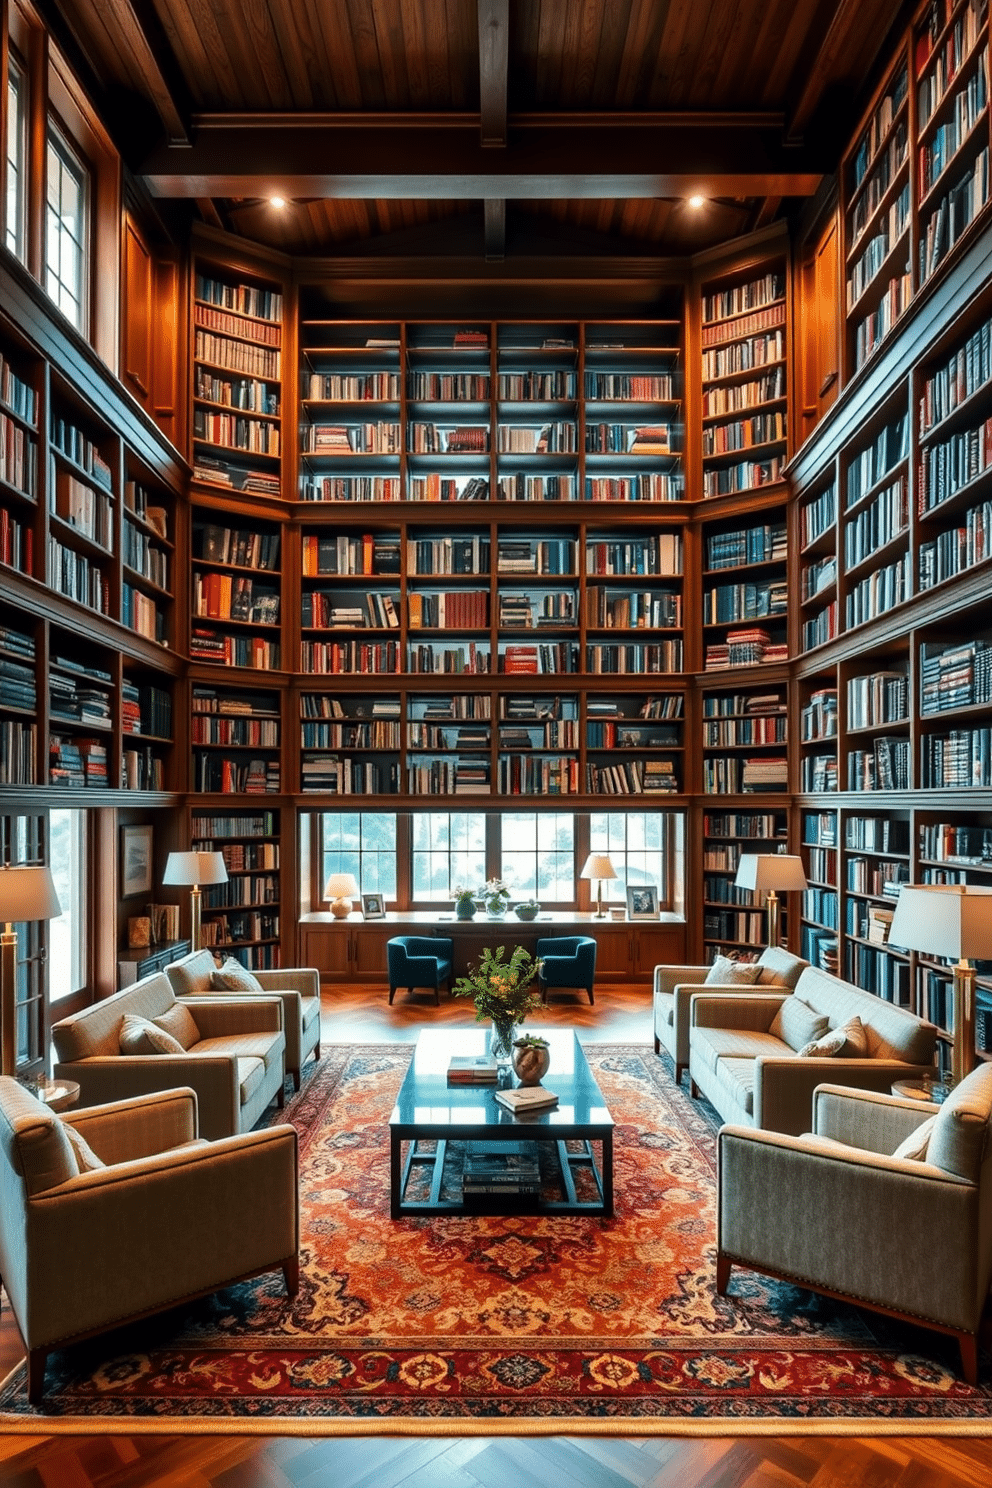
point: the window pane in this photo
(67, 934)
(16, 156)
(66, 228)
(449, 851)
(362, 843)
(538, 855)
(636, 844)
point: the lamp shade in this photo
(952, 920)
(27, 893)
(192, 868)
(341, 886)
(598, 865)
(770, 871)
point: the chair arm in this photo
(867, 1119)
(684, 991)
(425, 945)
(783, 1088)
(735, 1010)
(140, 1235)
(302, 979)
(217, 1016)
(123, 1130)
(421, 966)
(667, 978)
(827, 1215)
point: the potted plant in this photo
(531, 1058)
(527, 910)
(465, 905)
(502, 989)
(495, 897)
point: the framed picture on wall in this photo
(136, 860)
(642, 902)
(372, 907)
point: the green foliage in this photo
(501, 986)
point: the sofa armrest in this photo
(783, 1088)
(129, 1238)
(123, 1130)
(866, 1118)
(667, 978)
(744, 1009)
(218, 1016)
(302, 979)
(112, 1077)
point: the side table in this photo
(921, 1090)
(58, 1094)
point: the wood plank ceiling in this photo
(382, 120)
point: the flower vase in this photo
(501, 1040)
(465, 911)
(495, 911)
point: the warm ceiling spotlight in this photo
(277, 201)
(696, 202)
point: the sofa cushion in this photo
(142, 1036)
(86, 1159)
(233, 977)
(191, 974)
(960, 1135)
(268, 1047)
(796, 1023)
(251, 1073)
(736, 1077)
(849, 1041)
(893, 1032)
(727, 973)
(916, 1146)
(311, 1011)
(95, 1030)
(779, 968)
(713, 1045)
(179, 1022)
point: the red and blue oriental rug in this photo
(539, 1323)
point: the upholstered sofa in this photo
(138, 1216)
(675, 986)
(298, 989)
(869, 1207)
(235, 1063)
(744, 1065)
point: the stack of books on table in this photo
(500, 1170)
(526, 1099)
(472, 1069)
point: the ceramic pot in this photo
(525, 912)
(465, 910)
(531, 1063)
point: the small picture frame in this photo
(373, 907)
(642, 902)
(136, 860)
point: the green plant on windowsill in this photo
(528, 910)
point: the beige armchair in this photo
(839, 1211)
(675, 986)
(298, 989)
(143, 1217)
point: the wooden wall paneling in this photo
(37, 173)
(136, 310)
(168, 373)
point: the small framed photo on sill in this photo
(642, 902)
(373, 907)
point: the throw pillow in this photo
(727, 973)
(850, 1041)
(856, 1036)
(232, 977)
(796, 1024)
(85, 1156)
(140, 1036)
(180, 1023)
(914, 1147)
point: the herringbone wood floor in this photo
(482, 1462)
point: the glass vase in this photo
(495, 909)
(501, 1040)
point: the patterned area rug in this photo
(544, 1322)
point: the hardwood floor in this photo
(174, 1461)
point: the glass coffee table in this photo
(430, 1111)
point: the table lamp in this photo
(598, 866)
(341, 889)
(952, 921)
(190, 870)
(770, 873)
(26, 893)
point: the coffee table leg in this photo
(395, 1161)
(608, 1174)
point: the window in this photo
(17, 90)
(66, 228)
(449, 849)
(537, 855)
(362, 843)
(68, 962)
(639, 845)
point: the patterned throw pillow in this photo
(85, 1156)
(850, 1041)
(179, 1022)
(796, 1024)
(232, 977)
(140, 1036)
(727, 973)
(914, 1147)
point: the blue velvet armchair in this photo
(567, 961)
(418, 961)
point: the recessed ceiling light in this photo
(696, 202)
(277, 201)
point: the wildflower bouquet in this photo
(501, 987)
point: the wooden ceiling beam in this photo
(856, 31)
(440, 157)
(495, 230)
(494, 57)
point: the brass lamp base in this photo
(773, 917)
(963, 1047)
(8, 1001)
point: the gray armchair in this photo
(142, 1217)
(839, 1211)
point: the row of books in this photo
(529, 555)
(750, 647)
(949, 465)
(880, 878)
(376, 734)
(753, 295)
(18, 750)
(628, 439)
(761, 428)
(884, 765)
(818, 772)
(649, 486)
(364, 387)
(246, 393)
(339, 776)
(243, 733)
(544, 775)
(18, 457)
(83, 507)
(818, 577)
(220, 470)
(877, 524)
(380, 438)
(237, 431)
(246, 299)
(543, 439)
(223, 596)
(236, 356)
(955, 676)
(742, 732)
(69, 440)
(234, 324)
(142, 615)
(76, 577)
(878, 592)
(717, 334)
(17, 394)
(235, 776)
(232, 650)
(946, 64)
(870, 331)
(143, 555)
(451, 387)
(939, 148)
(878, 697)
(142, 769)
(239, 547)
(744, 355)
(449, 555)
(961, 758)
(728, 603)
(453, 609)
(818, 719)
(16, 543)
(946, 842)
(747, 475)
(433, 439)
(632, 777)
(821, 627)
(246, 889)
(732, 776)
(614, 609)
(968, 369)
(817, 516)
(889, 229)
